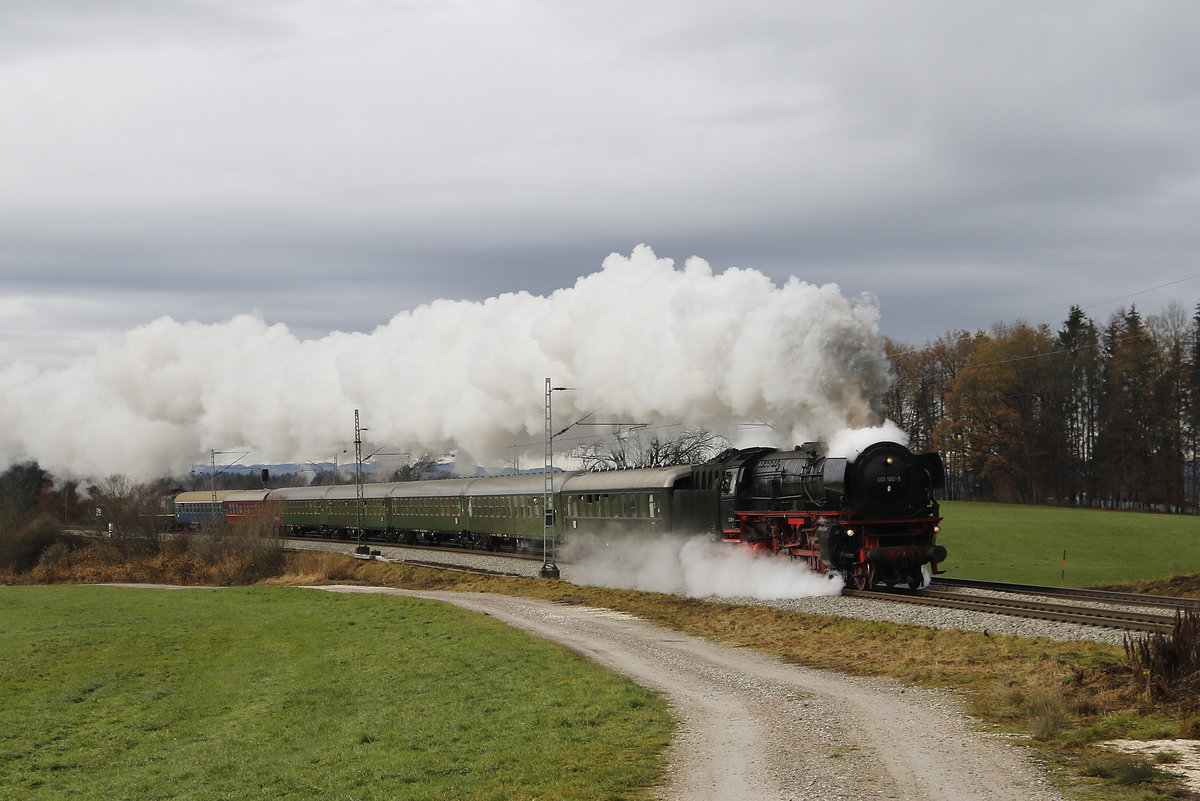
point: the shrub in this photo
(1048, 713)
(1168, 664)
(1137, 771)
(21, 549)
(1123, 769)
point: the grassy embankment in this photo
(272, 692)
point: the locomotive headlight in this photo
(890, 460)
(937, 529)
(849, 532)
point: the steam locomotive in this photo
(873, 519)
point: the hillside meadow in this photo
(277, 692)
(1025, 544)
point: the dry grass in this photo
(1168, 664)
(241, 554)
(905, 652)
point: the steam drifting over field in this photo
(696, 567)
(639, 340)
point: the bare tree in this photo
(637, 449)
(427, 467)
(131, 514)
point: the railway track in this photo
(374, 545)
(1006, 603)
(1075, 594)
(1001, 598)
(388, 552)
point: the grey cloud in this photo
(331, 164)
(29, 28)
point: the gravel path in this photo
(754, 728)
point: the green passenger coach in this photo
(493, 512)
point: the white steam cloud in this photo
(639, 340)
(850, 442)
(696, 567)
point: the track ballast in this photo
(1093, 608)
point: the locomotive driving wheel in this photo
(862, 576)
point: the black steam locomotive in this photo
(872, 519)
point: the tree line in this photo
(1102, 416)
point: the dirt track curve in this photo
(754, 728)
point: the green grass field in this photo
(274, 692)
(1025, 544)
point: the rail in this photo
(1074, 593)
(1123, 619)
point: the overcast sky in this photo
(329, 164)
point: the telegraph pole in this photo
(358, 480)
(549, 569)
(214, 509)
